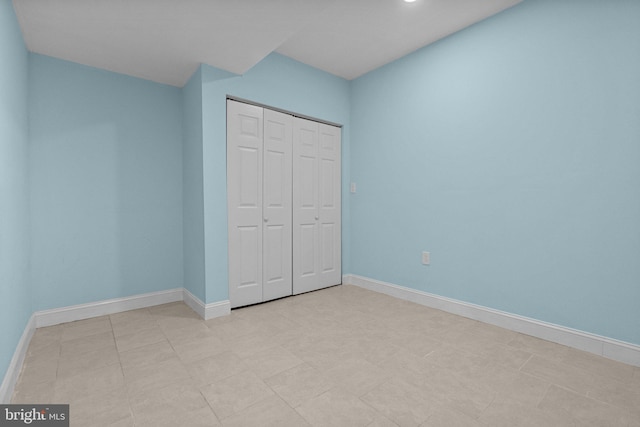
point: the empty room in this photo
(320, 213)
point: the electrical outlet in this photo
(353, 187)
(426, 258)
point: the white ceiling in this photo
(166, 40)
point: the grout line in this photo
(525, 362)
(543, 396)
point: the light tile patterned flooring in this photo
(343, 356)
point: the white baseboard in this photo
(102, 308)
(217, 309)
(602, 346)
(207, 311)
(15, 366)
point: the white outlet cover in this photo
(426, 258)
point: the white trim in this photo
(102, 308)
(206, 311)
(13, 371)
(592, 343)
(193, 302)
(217, 309)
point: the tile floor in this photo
(343, 356)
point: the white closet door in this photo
(277, 207)
(329, 232)
(244, 202)
(316, 206)
(305, 206)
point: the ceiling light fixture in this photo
(409, 1)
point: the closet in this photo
(283, 199)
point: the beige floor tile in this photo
(356, 376)
(45, 340)
(337, 408)
(139, 338)
(405, 364)
(201, 417)
(491, 332)
(268, 316)
(511, 385)
(323, 352)
(234, 394)
(455, 391)
(29, 393)
(374, 350)
(223, 319)
(247, 345)
(133, 323)
(617, 393)
(170, 324)
(271, 412)
(568, 376)
(189, 333)
(176, 316)
(493, 351)
(463, 362)
(299, 384)
(130, 317)
(37, 369)
(158, 375)
(198, 349)
(172, 309)
(271, 361)
(88, 361)
(571, 407)
(150, 354)
(415, 342)
(401, 402)
(99, 341)
(547, 349)
(382, 422)
(101, 410)
(125, 422)
(215, 368)
(85, 328)
(44, 350)
(95, 383)
(177, 404)
(340, 356)
(599, 366)
(445, 417)
(510, 414)
(241, 327)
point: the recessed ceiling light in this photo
(409, 1)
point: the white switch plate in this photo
(353, 187)
(426, 258)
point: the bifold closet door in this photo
(259, 203)
(316, 206)
(277, 209)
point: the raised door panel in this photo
(244, 202)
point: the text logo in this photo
(34, 415)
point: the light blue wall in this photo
(106, 184)
(279, 82)
(511, 152)
(15, 293)
(192, 192)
